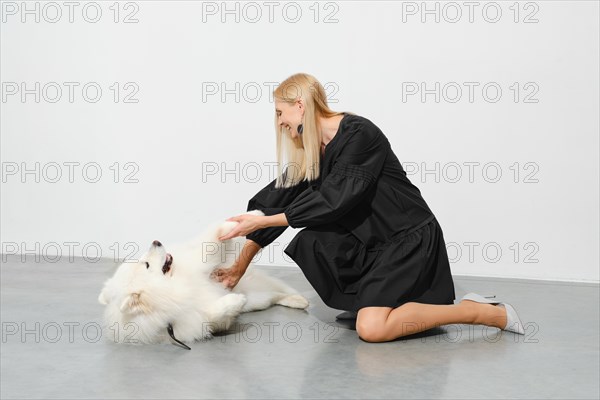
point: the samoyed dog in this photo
(171, 294)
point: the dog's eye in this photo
(147, 265)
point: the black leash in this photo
(170, 330)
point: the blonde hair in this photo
(302, 153)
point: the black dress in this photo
(369, 238)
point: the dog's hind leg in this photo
(263, 300)
(293, 301)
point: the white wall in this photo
(542, 213)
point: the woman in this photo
(370, 244)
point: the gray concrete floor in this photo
(286, 353)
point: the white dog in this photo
(173, 294)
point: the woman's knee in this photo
(370, 323)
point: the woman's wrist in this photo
(247, 254)
(275, 220)
(239, 268)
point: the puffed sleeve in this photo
(272, 201)
(352, 176)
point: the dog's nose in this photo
(157, 243)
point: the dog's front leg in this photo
(224, 311)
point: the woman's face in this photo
(289, 116)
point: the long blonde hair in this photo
(303, 153)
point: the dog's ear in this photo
(102, 299)
(135, 303)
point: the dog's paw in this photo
(294, 301)
(256, 212)
(234, 301)
(225, 228)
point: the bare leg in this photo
(380, 324)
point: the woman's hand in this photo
(229, 277)
(247, 224)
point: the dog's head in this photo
(139, 296)
(157, 260)
(132, 281)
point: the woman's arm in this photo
(276, 220)
(272, 201)
(250, 223)
(352, 178)
(246, 255)
(230, 276)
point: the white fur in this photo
(141, 302)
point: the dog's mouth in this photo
(168, 261)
